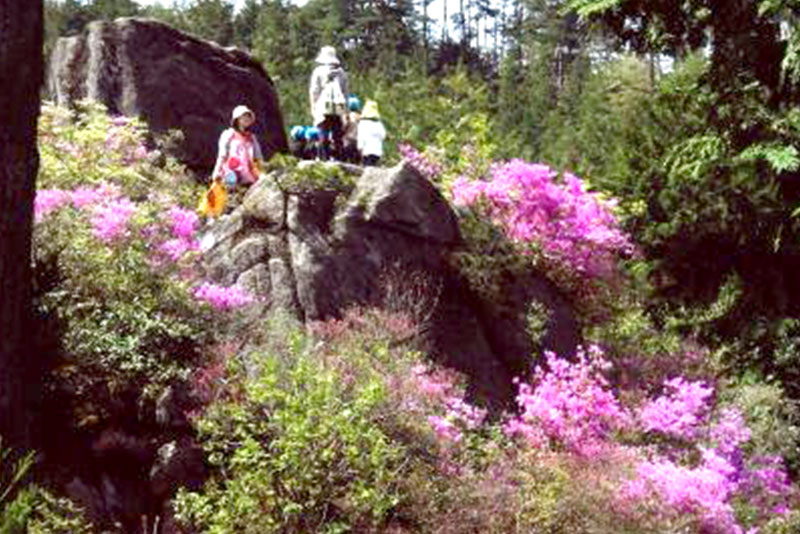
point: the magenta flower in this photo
(223, 298)
(467, 414)
(704, 490)
(730, 431)
(427, 167)
(47, 201)
(445, 429)
(175, 249)
(89, 196)
(565, 221)
(680, 412)
(110, 220)
(183, 223)
(570, 404)
(435, 384)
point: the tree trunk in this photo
(444, 21)
(425, 31)
(21, 73)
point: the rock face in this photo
(141, 67)
(378, 236)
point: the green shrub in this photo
(297, 453)
(85, 146)
(773, 419)
(57, 515)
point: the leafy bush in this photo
(773, 419)
(299, 452)
(57, 515)
(116, 271)
(16, 499)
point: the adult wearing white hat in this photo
(239, 153)
(328, 92)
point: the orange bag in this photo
(213, 201)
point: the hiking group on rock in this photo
(342, 131)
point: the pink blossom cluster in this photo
(470, 416)
(571, 405)
(445, 428)
(221, 297)
(182, 227)
(48, 201)
(436, 384)
(110, 219)
(440, 389)
(425, 165)
(84, 196)
(767, 487)
(182, 222)
(567, 222)
(110, 211)
(705, 490)
(680, 412)
(177, 248)
(729, 432)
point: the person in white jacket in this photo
(371, 134)
(328, 92)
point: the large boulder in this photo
(142, 67)
(379, 236)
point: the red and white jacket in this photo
(237, 152)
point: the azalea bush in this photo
(580, 455)
(560, 220)
(116, 250)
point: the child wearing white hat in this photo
(239, 153)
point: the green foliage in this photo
(57, 515)
(116, 314)
(84, 147)
(537, 321)
(297, 454)
(591, 7)
(783, 525)
(600, 130)
(780, 158)
(314, 176)
(16, 514)
(773, 419)
(16, 501)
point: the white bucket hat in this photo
(327, 56)
(238, 111)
